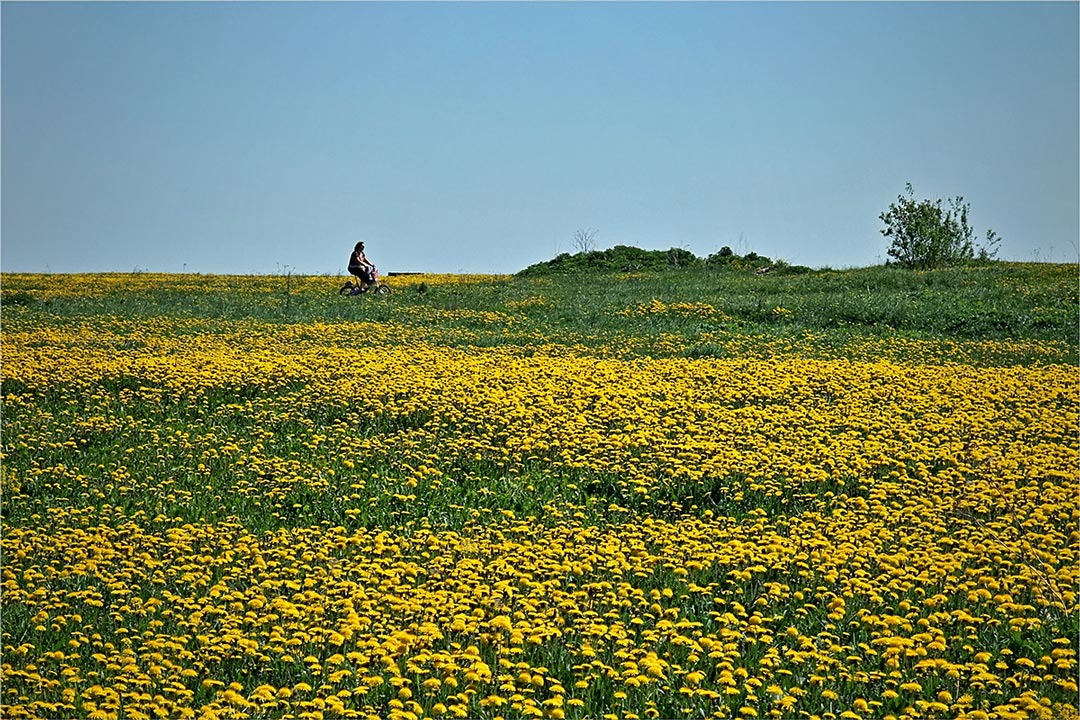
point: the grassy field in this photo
(838, 494)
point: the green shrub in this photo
(927, 235)
(621, 258)
(728, 259)
(721, 259)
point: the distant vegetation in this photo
(624, 258)
(924, 235)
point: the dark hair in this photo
(359, 245)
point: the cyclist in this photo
(361, 267)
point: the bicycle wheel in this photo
(383, 289)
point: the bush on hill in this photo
(927, 235)
(728, 259)
(624, 258)
(621, 258)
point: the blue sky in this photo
(478, 137)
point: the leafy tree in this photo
(927, 234)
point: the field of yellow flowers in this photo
(406, 507)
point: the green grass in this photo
(990, 302)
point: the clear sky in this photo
(478, 137)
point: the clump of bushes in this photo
(726, 258)
(621, 258)
(624, 258)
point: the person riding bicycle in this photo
(360, 266)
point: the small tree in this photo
(926, 234)
(584, 240)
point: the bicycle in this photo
(376, 286)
